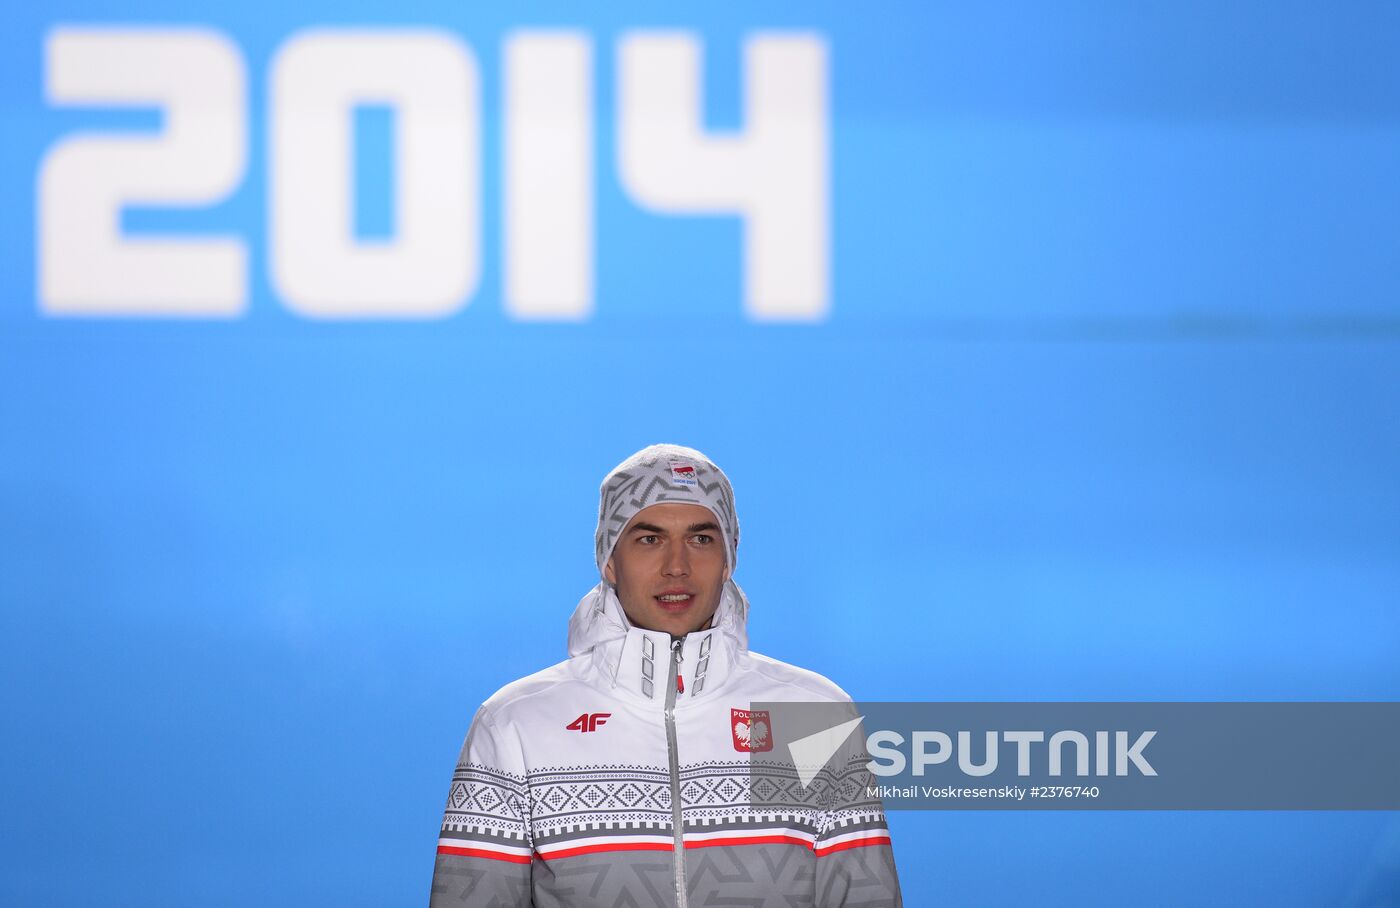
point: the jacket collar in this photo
(636, 662)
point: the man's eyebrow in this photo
(693, 528)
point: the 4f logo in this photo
(588, 722)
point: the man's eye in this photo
(647, 540)
(704, 538)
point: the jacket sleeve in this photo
(484, 848)
(855, 858)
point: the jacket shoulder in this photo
(509, 697)
(809, 683)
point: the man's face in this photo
(669, 568)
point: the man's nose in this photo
(677, 562)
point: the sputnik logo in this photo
(810, 754)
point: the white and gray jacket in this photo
(621, 777)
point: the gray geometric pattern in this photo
(466, 882)
(644, 479)
(751, 876)
(702, 667)
(838, 794)
(566, 798)
(649, 665)
(637, 879)
(859, 876)
(564, 801)
(486, 804)
(552, 807)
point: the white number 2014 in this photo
(773, 174)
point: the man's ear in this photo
(608, 573)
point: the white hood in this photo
(599, 619)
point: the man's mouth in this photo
(674, 601)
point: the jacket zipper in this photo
(677, 824)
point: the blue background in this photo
(1107, 408)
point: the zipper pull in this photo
(677, 653)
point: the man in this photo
(621, 776)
